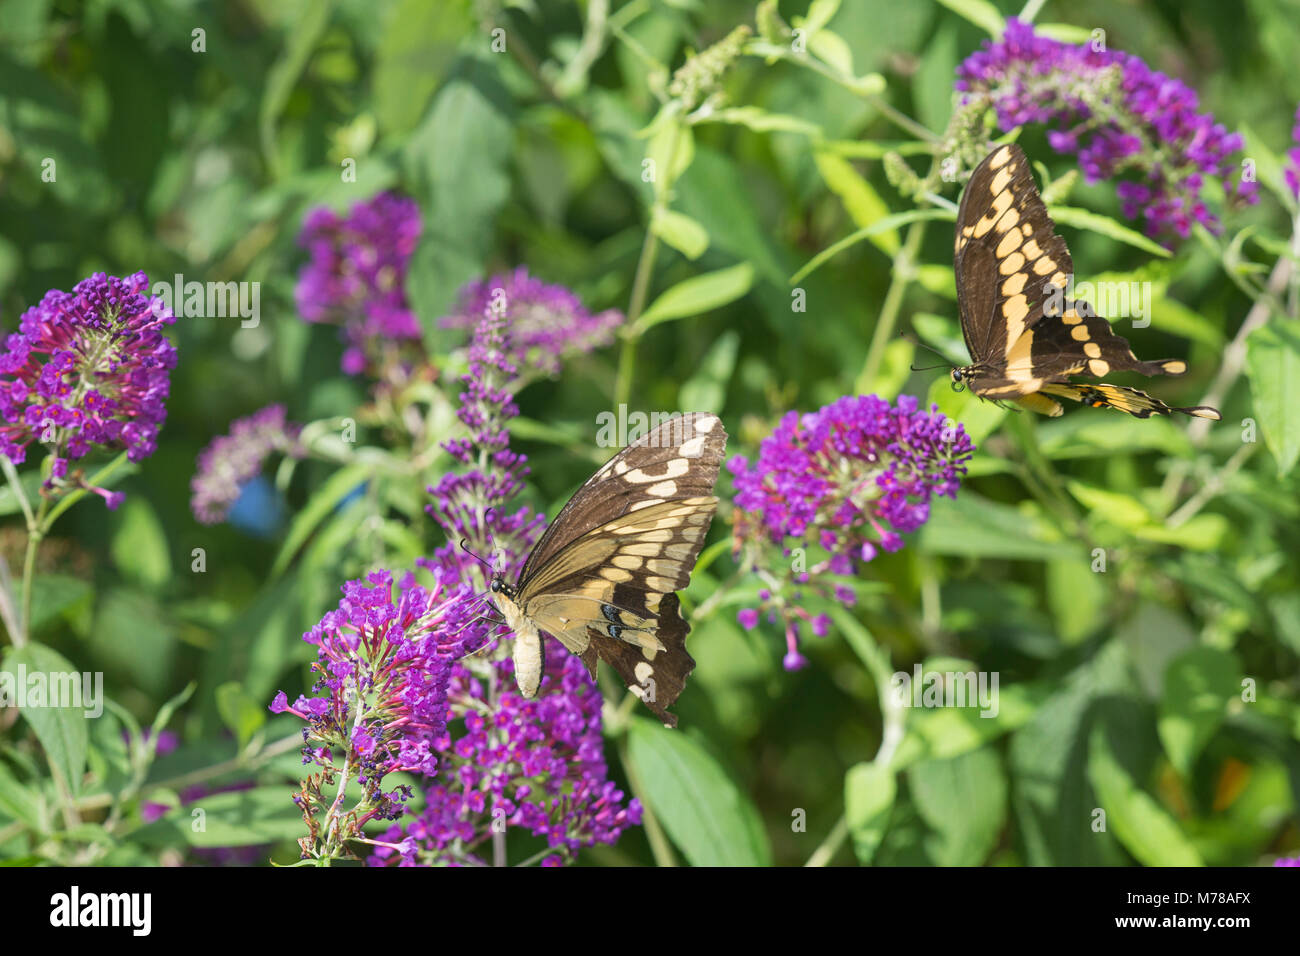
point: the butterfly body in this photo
(603, 578)
(1026, 338)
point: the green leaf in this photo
(697, 295)
(1273, 367)
(762, 121)
(1123, 511)
(861, 201)
(61, 595)
(978, 417)
(236, 818)
(708, 817)
(820, 13)
(326, 498)
(869, 793)
(62, 731)
(1199, 683)
(938, 279)
(981, 13)
(1144, 827)
(300, 40)
(140, 547)
(239, 712)
(975, 526)
(1078, 598)
(680, 231)
(418, 44)
(706, 390)
(1105, 226)
(880, 226)
(1204, 532)
(964, 801)
(832, 50)
(20, 803)
(1064, 32)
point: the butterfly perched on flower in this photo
(1025, 337)
(602, 579)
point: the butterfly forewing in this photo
(1022, 331)
(603, 577)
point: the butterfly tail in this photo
(1136, 403)
(659, 679)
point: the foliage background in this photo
(1119, 690)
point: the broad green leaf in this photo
(819, 14)
(964, 802)
(972, 525)
(861, 201)
(708, 817)
(876, 228)
(762, 121)
(681, 232)
(234, 818)
(1105, 226)
(57, 595)
(982, 13)
(831, 49)
(869, 792)
(1199, 683)
(140, 547)
(940, 733)
(242, 715)
(19, 802)
(672, 148)
(1119, 509)
(1143, 826)
(1273, 366)
(1202, 533)
(326, 498)
(1078, 598)
(418, 44)
(706, 390)
(697, 295)
(62, 731)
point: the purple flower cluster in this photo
(1118, 115)
(536, 765)
(384, 662)
(849, 478)
(547, 322)
(356, 276)
(471, 505)
(1291, 169)
(227, 464)
(87, 367)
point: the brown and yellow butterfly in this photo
(1026, 340)
(602, 579)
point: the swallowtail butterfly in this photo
(1025, 338)
(602, 579)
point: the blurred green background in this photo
(1119, 690)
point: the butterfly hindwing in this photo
(602, 580)
(1023, 333)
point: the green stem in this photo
(904, 272)
(831, 845)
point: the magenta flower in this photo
(547, 322)
(384, 662)
(535, 765)
(230, 461)
(356, 277)
(1120, 117)
(87, 368)
(846, 480)
(1291, 168)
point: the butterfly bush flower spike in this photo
(232, 460)
(1122, 119)
(844, 483)
(548, 323)
(384, 664)
(356, 277)
(87, 368)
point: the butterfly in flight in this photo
(602, 579)
(1025, 338)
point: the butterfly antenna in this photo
(465, 547)
(915, 341)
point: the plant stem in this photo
(903, 273)
(831, 845)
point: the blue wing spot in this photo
(611, 613)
